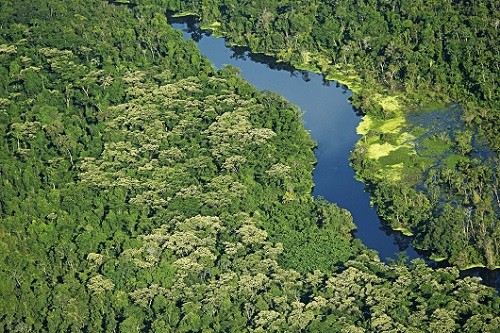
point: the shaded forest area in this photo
(399, 56)
(144, 191)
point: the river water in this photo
(331, 121)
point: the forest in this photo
(400, 57)
(145, 191)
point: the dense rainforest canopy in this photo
(144, 191)
(400, 56)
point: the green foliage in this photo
(451, 208)
(143, 191)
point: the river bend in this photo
(331, 121)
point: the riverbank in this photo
(391, 157)
(391, 105)
(331, 121)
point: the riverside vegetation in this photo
(144, 191)
(398, 57)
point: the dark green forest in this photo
(398, 57)
(142, 190)
(427, 51)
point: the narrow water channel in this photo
(331, 121)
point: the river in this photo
(331, 121)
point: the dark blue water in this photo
(332, 123)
